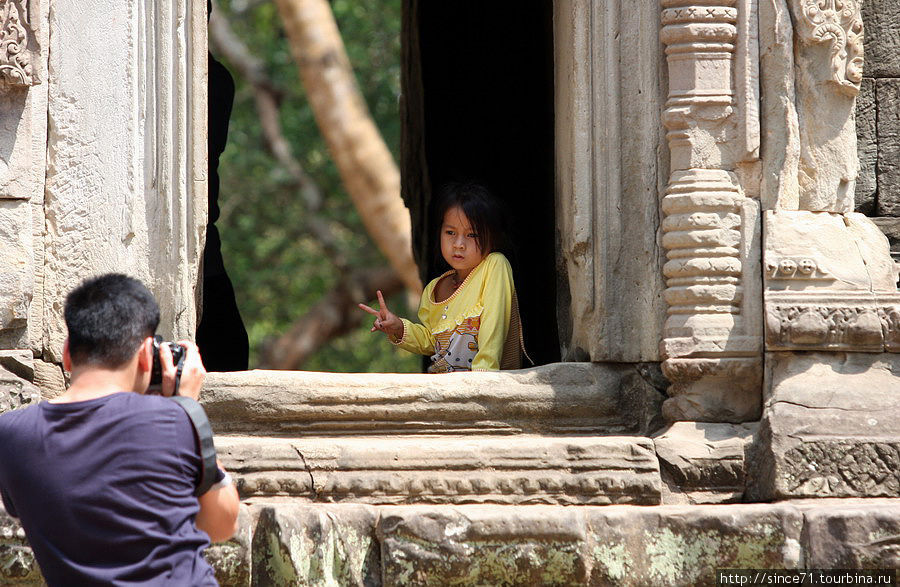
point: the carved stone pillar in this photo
(712, 337)
(23, 128)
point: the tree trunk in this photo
(364, 162)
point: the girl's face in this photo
(459, 243)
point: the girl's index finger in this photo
(368, 309)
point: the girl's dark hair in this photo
(484, 211)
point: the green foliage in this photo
(278, 269)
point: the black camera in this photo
(178, 353)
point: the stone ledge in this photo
(351, 544)
(446, 469)
(562, 398)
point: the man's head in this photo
(108, 318)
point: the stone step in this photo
(522, 469)
(562, 398)
(282, 543)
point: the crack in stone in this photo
(798, 404)
(312, 481)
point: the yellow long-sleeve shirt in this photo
(470, 330)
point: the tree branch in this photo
(336, 314)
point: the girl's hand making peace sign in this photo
(385, 320)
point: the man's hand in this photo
(385, 320)
(192, 371)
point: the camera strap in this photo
(205, 437)
(179, 367)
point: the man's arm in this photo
(218, 506)
(219, 510)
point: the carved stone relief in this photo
(828, 60)
(450, 469)
(799, 268)
(830, 284)
(23, 147)
(852, 323)
(839, 24)
(16, 58)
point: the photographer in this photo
(103, 478)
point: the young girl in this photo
(470, 314)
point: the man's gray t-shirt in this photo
(104, 489)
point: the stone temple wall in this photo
(878, 120)
(102, 163)
(709, 225)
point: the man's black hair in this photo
(108, 317)
(484, 211)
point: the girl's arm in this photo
(495, 316)
(415, 338)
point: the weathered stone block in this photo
(595, 175)
(49, 378)
(881, 22)
(866, 147)
(471, 469)
(815, 251)
(16, 392)
(316, 545)
(19, 362)
(125, 161)
(684, 545)
(17, 563)
(887, 95)
(703, 462)
(232, 559)
(582, 398)
(831, 427)
(780, 151)
(477, 545)
(16, 268)
(857, 536)
(891, 229)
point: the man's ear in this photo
(145, 355)
(67, 358)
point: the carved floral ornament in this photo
(838, 22)
(833, 327)
(15, 59)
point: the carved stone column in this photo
(712, 338)
(23, 133)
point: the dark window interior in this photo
(478, 105)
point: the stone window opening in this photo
(479, 106)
